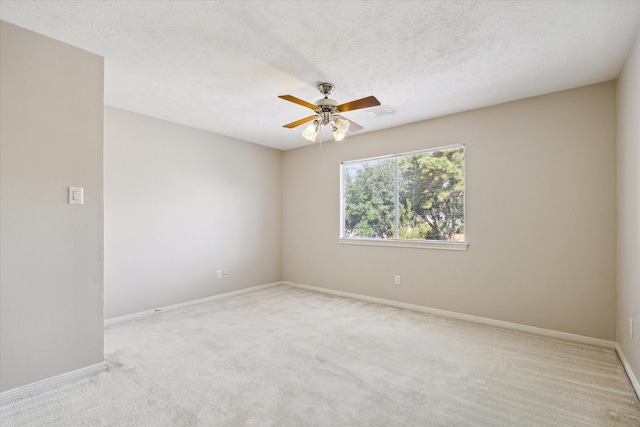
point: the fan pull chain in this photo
(320, 145)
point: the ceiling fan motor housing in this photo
(326, 109)
(326, 106)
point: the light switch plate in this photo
(76, 196)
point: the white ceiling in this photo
(220, 65)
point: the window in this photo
(414, 197)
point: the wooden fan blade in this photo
(299, 122)
(369, 101)
(354, 127)
(298, 101)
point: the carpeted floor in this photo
(289, 357)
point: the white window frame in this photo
(403, 243)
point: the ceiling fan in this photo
(327, 113)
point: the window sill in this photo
(447, 246)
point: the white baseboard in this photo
(467, 317)
(634, 381)
(50, 383)
(159, 310)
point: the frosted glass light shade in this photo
(342, 123)
(310, 132)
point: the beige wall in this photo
(51, 262)
(541, 216)
(629, 208)
(180, 204)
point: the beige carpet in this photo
(289, 357)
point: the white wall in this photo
(629, 208)
(51, 253)
(180, 204)
(541, 216)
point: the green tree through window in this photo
(418, 196)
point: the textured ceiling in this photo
(220, 65)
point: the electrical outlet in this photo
(397, 280)
(226, 274)
(630, 328)
(219, 274)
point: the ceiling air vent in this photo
(383, 110)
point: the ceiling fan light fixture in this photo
(310, 132)
(338, 133)
(342, 123)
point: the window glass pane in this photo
(425, 190)
(431, 195)
(369, 204)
